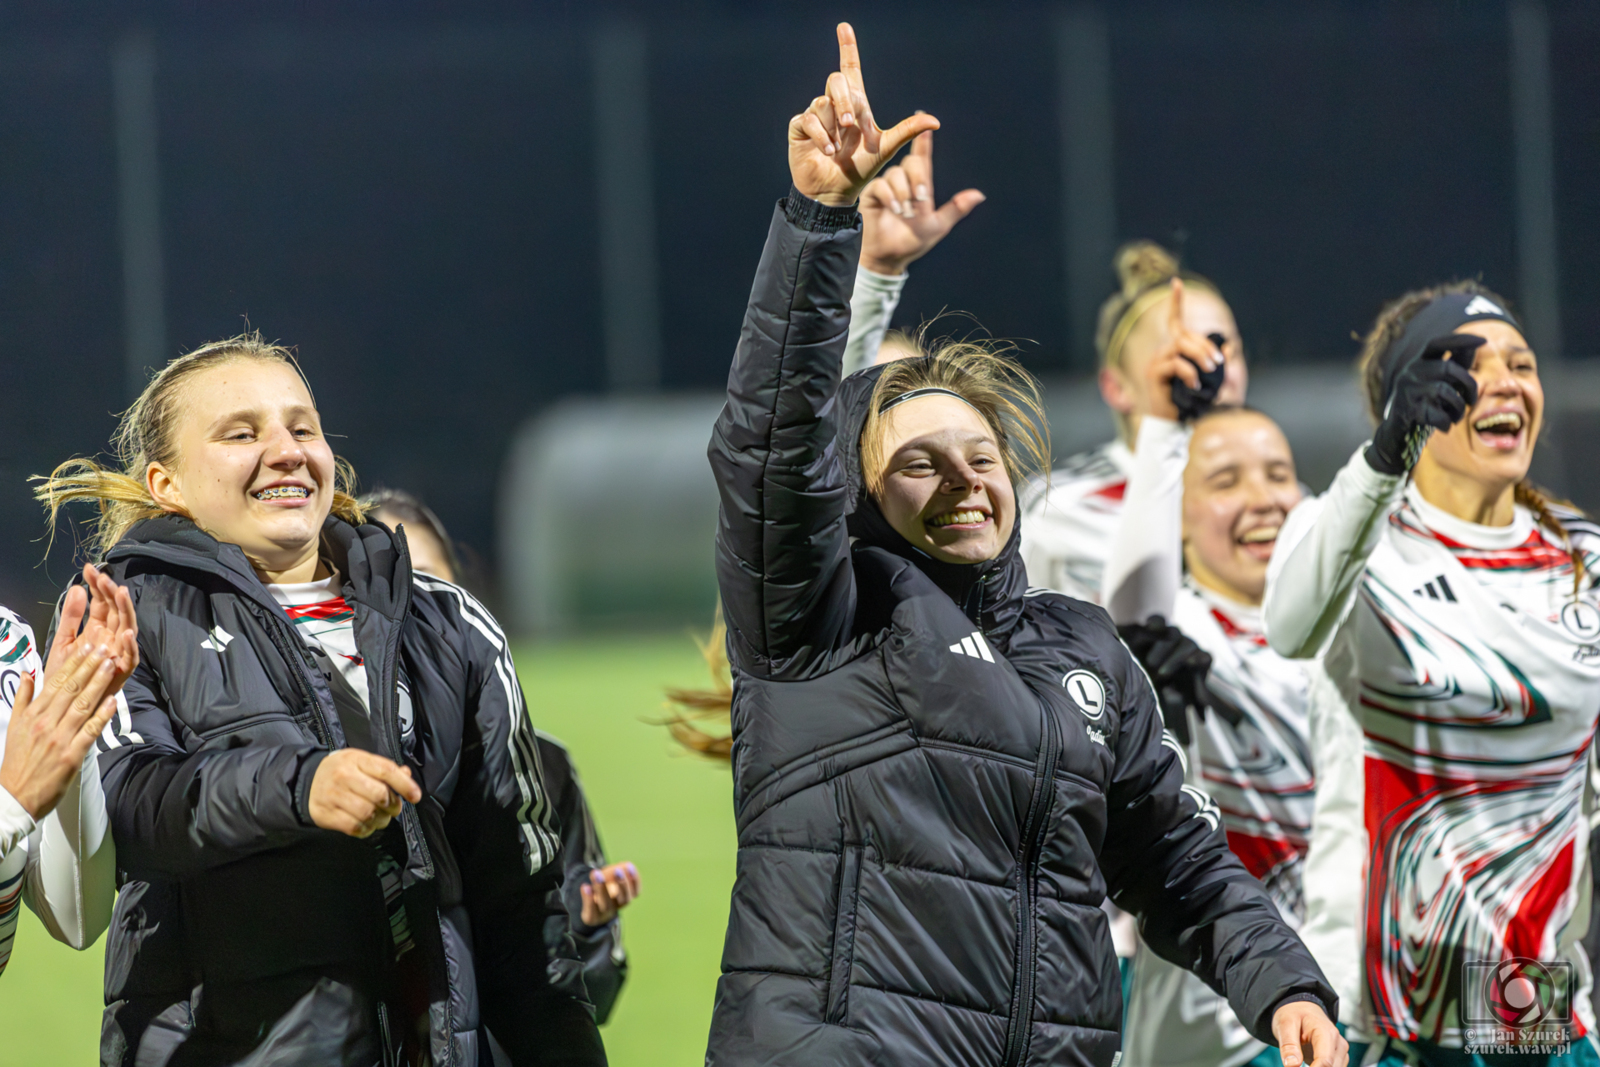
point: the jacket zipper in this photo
(1019, 1028)
(300, 660)
(387, 720)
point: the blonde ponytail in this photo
(692, 707)
(147, 433)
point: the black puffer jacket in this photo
(938, 774)
(241, 927)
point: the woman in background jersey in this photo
(1072, 515)
(593, 892)
(1202, 510)
(1456, 612)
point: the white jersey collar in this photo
(1120, 455)
(1471, 534)
(295, 594)
(1244, 616)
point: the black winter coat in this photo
(939, 775)
(603, 960)
(241, 927)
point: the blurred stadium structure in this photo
(472, 218)
(609, 512)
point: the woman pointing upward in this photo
(938, 778)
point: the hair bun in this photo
(1141, 264)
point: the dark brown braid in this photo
(1538, 501)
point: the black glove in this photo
(1192, 403)
(1433, 393)
(1177, 668)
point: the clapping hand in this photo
(99, 612)
(899, 222)
(56, 718)
(835, 145)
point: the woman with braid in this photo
(1455, 609)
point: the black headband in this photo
(1442, 315)
(930, 390)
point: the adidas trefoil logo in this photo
(218, 640)
(973, 645)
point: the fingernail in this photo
(847, 119)
(632, 869)
(922, 192)
(827, 150)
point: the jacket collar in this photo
(374, 564)
(991, 592)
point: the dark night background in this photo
(406, 192)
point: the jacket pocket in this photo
(844, 935)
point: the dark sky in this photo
(405, 192)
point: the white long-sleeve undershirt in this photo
(872, 305)
(1145, 566)
(1321, 553)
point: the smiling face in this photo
(1238, 488)
(945, 486)
(1204, 313)
(1492, 447)
(252, 466)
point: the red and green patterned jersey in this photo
(1453, 732)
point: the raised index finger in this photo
(850, 57)
(1175, 309)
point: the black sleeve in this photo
(783, 556)
(1167, 861)
(179, 813)
(600, 954)
(505, 837)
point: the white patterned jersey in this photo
(1260, 772)
(1465, 671)
(1070, 517)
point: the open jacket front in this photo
(233, 899)
(939, 775)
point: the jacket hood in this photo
(989, 592)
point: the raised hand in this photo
(608, 891)
(1183, 377)
(835, 145)
(1433, 393)
(358, 793)
(53, 724)
(899, 222)
(111, 621)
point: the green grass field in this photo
(669, 813)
